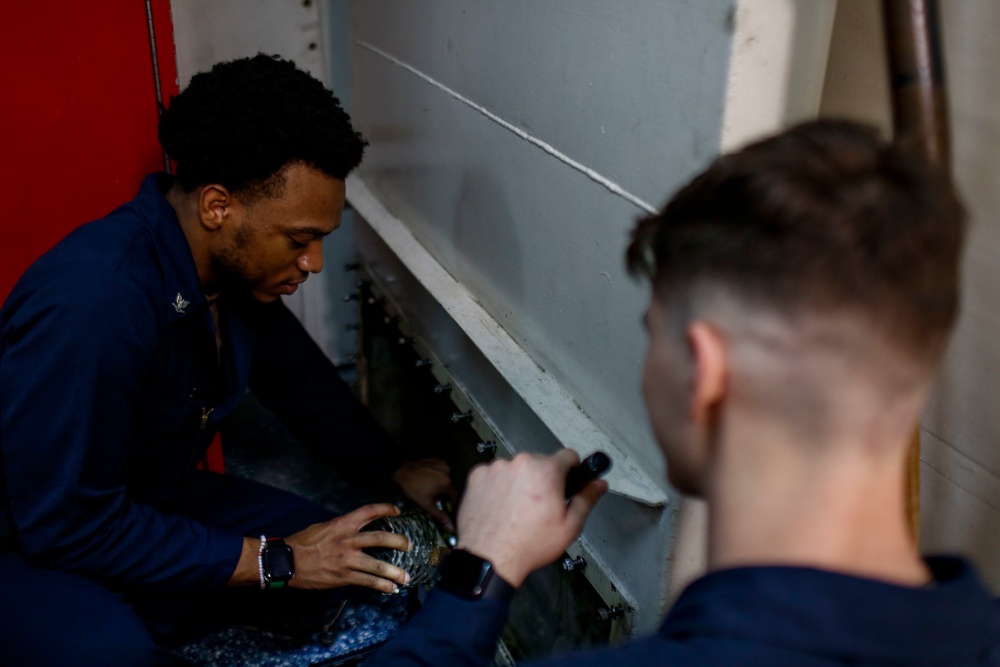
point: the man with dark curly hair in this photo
(803, 292)
(125, 346)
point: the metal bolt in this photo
(442, 389)
(361, 284)
(350, 358)
(488, 447)
(610, 613)
(459, 417)
(571, 564)
(390, 320)
(352, 297)
(423, 362)
(312, 46)
(405, 340)
(354, 326)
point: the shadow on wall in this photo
(489, 255)
(486, 258)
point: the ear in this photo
(711, 369)
(213, 206)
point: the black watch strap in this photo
(468, 576)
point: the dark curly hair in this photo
(243, 121)
(822, 216)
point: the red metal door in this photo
(78, 114)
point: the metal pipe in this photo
(156, 72)
(917, 79)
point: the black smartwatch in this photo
(468, 576)
(277, 563)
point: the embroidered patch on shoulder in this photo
(180, 303)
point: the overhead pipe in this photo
(920, 121)
(916, 76)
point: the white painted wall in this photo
(960, 457)
(209, 32)
(538, 242)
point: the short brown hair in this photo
(822, 216)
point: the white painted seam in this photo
(548, 148)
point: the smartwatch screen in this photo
(465, 573)
(278, 563)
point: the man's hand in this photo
(329, 555)
(425, 481)
(514, 513)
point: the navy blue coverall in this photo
(111, 389)
(751, 617)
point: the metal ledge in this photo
(597, 571)
(548, 399)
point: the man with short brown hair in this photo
(803, 292)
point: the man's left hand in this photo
(423, 482)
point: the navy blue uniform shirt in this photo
(751, 617)
(112, 387)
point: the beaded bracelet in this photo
(260, 562)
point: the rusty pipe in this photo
(917, 79)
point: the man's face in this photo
(666, 387)
(274, 243)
